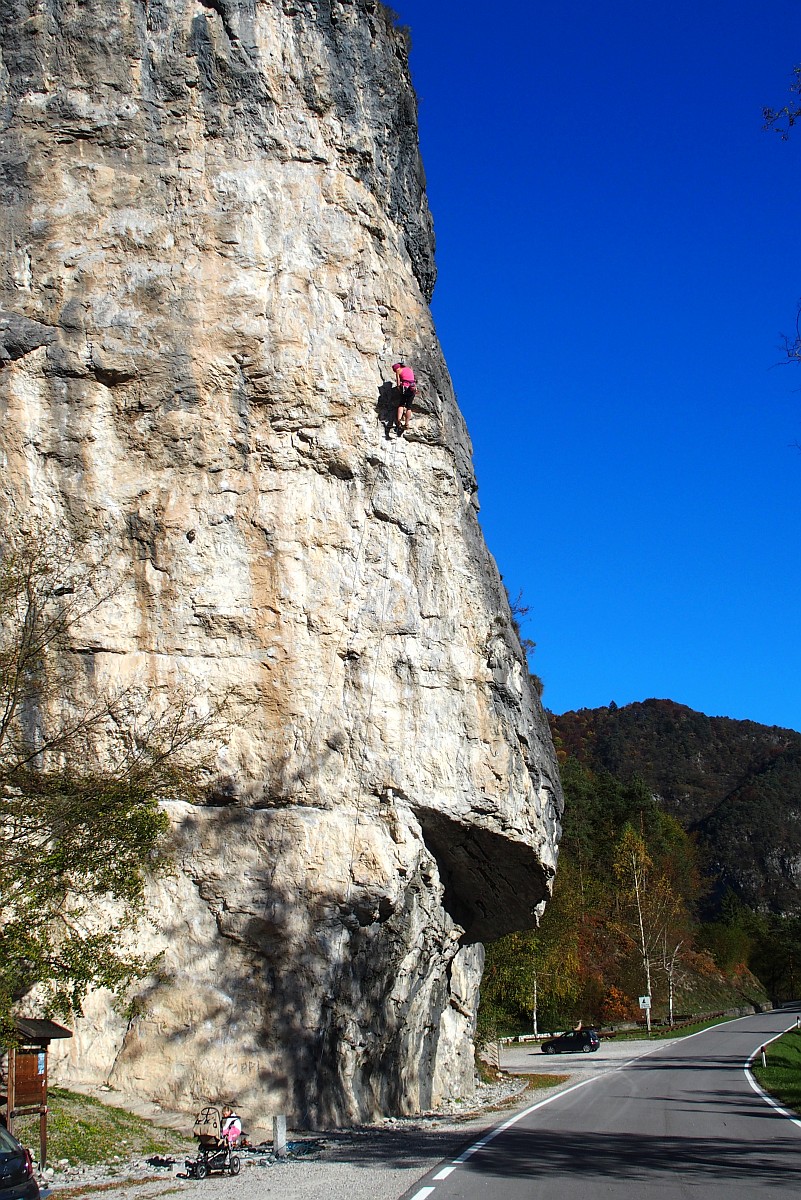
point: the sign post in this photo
(26, 1075)
(645, 1004)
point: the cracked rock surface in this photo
(214, 242)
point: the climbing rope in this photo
(339, 957)
(348, 632)
(310, 741)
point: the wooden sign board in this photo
(26, 1078)
(30, 1077)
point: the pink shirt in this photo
(232, 1129)
(406, 374)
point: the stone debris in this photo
(487, 1098)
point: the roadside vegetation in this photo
(84, 1131)
(781, 1077)
(538, 1083)
(626, 920)
(684, 1029)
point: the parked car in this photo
(17, 1180)
(586, 1040)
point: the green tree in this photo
(583, 961)
(527, 974)
(80, 784)
(776, 956)
(730, 945)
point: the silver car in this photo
(17, 1180)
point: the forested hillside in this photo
(735, 785)
(678, 873)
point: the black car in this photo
(586, 1040)
(17, 1180)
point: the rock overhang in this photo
(494, 884)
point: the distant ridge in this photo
(736, 784)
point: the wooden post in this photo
(43, 1112)
(10, 1088)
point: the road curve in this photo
(682, 1120)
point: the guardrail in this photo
(680, 1021)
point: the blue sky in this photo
(618, 244)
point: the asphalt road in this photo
(681, 1120)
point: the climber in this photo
(405, 390)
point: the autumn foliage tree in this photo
(623, 900)
(617, 1006)
(651, 914)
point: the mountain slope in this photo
(735, 784)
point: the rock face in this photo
(215, 241)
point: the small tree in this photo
(80, 784)
(632, 867)
(670, 958)
(538, 970)
(649, 908)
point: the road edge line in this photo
(760, 1091)
(447, 1169)
(525, 1112)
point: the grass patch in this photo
(84, 1131)
(537, 1082)
(782, 1075)
(660, 1032)
(485, 1072)
(89, 1189)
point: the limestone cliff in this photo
(214, 241)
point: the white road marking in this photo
(471, 1150)
(479, 1145)
(760, 1091)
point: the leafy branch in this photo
(82, 777)
(783, 119)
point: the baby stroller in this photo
(214, 1152)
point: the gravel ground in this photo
(380, 1162)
